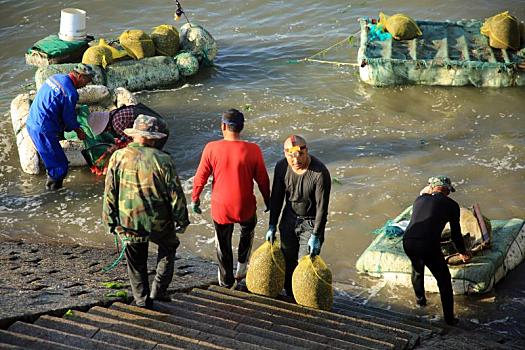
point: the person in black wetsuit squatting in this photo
(430, 213)
(304, 183)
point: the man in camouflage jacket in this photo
(143, 200)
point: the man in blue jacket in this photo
(53, 112)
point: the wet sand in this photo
(44, 278)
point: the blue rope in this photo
(389, 230)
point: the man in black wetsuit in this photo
(304, 182)
(421, 241)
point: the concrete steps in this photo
(218, 318)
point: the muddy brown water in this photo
(381, 144)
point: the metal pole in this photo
(180, 12)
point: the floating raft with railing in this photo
(448, 54)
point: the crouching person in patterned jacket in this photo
(144, 201)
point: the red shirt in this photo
(234, 165)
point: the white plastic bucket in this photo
(72, 24)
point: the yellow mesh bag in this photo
(401, 26)
(503, 31)
(115, 53)
(137, 43)
(265, 274)
(98, 55)
(166, 40)
(312, 283)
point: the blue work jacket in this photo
(53, 109)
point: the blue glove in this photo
(196, 207)
(270, 234)
(314, 245)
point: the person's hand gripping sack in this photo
(314, 245)
(270, 234)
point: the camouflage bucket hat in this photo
(145, 126)
(441, 180)
(85, 69)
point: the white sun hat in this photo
(98, 121)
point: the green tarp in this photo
(95, 145)
(53, 46)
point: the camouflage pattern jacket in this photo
(143, 193)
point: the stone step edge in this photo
(198, 312)
(5, 346)
(235, 335)
(234, 342)
(406, 318)
(68, 326)
(412, 332)
(119, 326)
(32, 328)
(422, 333)
(302, 311)
(250, 332)
(344, 297)
(42, 344)
(32, 317)
(216, 297)
(168, 319)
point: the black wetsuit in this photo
(421, 243)
(305, 212)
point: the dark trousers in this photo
(137, 258)
(223, 243)
(422, 254)
(295, 233)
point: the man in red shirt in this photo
(234, 164)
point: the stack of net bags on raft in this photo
(141, 61)
(504, 32)
(311, 280)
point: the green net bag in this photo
(187, 64)
(401, 26)
(137, 43)
(265, 274)
(166, 40)
(312, 283)
(198, 41)
(98, 55)
(503, 31)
